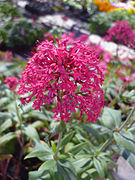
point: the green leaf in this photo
(3, 101)
(80, 162)
(88, 174)
(37, 124)
(5, 125)
(5, 116)
(66, 164)
(125, 140)
(90, 171)
(99, 168)
(66, 169)
(41, 154)
(62, 172)
(41, 151)
(103, 162)
(131, 160)
(67, 138)
(6, 138)
(113, 93)
(90, 130)
(132, 129)
(45, 115)
(54, 147)
(27, 108)
(39, 175)
(68, 146)
(31, 132)
(77, 148)
(50, 164)
(111, 118)
(70, 173)
(129, 94)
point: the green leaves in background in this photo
(111, 118)
(6, 138)
(125, 139)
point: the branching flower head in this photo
(122, 33)
(67, 75)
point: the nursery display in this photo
(17, 32)
(67, 105)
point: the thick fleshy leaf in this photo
(126, 140)
(67, 138)
(99, 168)
(111, 118)
(39, 175)
(5, 116)
(50, 164)
(132, 129)
(54, 147)
(80, 162)
(66, 169)
(45, 116)
(90, 130)
(6, 138)
(77, 148)
(31, 132)
(5, 125)
(41, 154)
(3, 101)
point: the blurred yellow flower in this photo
(104, 5)
(131, 11)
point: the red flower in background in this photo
(67, 75)
(7, 56)
(122, 33)
(12, 82)
(65, 18)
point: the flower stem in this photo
(106, 143)
(59, 143)
(17, 112)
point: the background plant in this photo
(102, 21)
(16, 31)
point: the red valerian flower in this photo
(67, 75)
(12, 82)
(122, 33)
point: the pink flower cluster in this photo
(67, 75)
(7, 56)
(104, 56)
(122, 33)
(12, 82)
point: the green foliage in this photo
(111, 118)
(24, 33)
(102, 21)
(17, 32)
